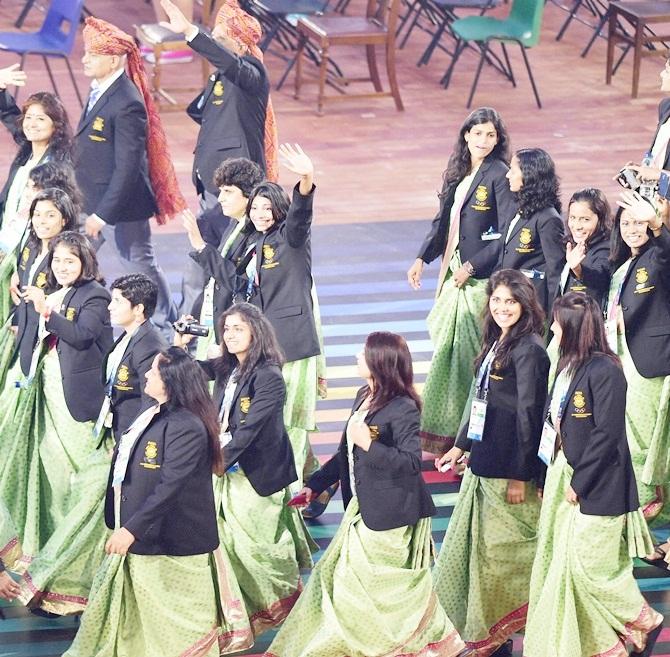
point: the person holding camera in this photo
(587, 245)
(270, 265)
(266, 541)
(638, 331)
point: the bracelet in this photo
(467, 265)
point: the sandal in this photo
(658, 561)
(652, 637)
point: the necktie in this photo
(93, 98)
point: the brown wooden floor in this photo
(374, 163)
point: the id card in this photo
(477, 420)
(547, 444)
(488, 237)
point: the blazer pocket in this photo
(287, 311)
(657, 330)
(229, 142)
(395, 482)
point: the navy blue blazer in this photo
(128, 396)
(663, 116)
(260, 443)
(645, 303)
(389, 486)
(536, 243)
(489, 205)
(84, 337)
(230, 111)
(514, 416)
(111, 164)
(593, 436)
(167, 498)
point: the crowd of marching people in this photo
(156, 471)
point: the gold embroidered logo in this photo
(98, 124)
(96, 138)
(41, 280)
(526, 236)
(25, 254)
(218, 88)
(641, 275)
(70, 313)
(151, 450)
(268, 257)
(481, 193)
(578, 400)
(245, 404)
(123, 374)
(374, 432)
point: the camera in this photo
(190, 327)
(627, 178)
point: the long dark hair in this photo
(598, 204)
(619, 250)
(541, 186)
(390, 363)
(264, 347)
(186, 387)
(583, 330)
(530, 322)
(59, 175)
(78, 245)
(460, 162)
(278, 199)
(61, 143)
(63, 204)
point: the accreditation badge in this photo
(547, 448)
(477, 420)
(611, 333)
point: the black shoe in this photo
(652, 637)
(318, 505)
(42, 613)
(505, 650)
(658, 559)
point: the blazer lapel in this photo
(576, 380)
(87, 117)
(475, 181)
(213, 79)
(517, 229)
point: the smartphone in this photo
(298, 500)
(664, 185)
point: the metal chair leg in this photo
(508, 63)
(428, 52)
(530, 76)
(21, 68)
(568, 20)
(24, 13)
(51, 77)
(485, 47)
(596, 31)
(446, 78)
(74, 82)
(413, 23)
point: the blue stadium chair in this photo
(54, 39)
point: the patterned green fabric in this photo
(267, 544)
(10, 550)
(54, 482)
(454, 327)
(482, 573)
(7, 269)
(584, 600)
(370, 595)
(647, 428)
(156, 606)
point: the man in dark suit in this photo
(124, 367)
(123, 166)
(234, 109)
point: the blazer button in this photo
(124, 498)
(624, 308)
(462, 238)
(358, 482)
(356, 457)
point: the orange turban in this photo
(102, 38)
(246, 30)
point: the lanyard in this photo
(227, 403)
(483, 376)
(128, 438)
(614, 301)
